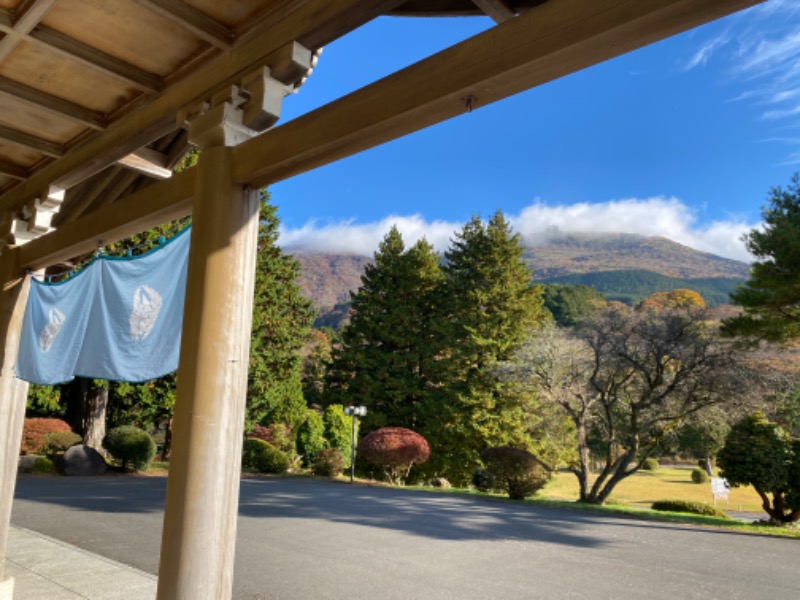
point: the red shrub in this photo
(278, 435)
(34, 432)
(395, 449)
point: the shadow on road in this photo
(435, 516)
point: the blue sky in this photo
(683, 138)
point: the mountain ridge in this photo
(327, 279)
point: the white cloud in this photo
(347, 237)
(657, 216)
(706, 51)
(759, 51)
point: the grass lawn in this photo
(667, 483)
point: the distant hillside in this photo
(634, 285)
(568, 254)
(327, 279)
(655, 264)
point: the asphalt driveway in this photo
(312, 539)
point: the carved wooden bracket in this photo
(241, 111)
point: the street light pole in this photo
(354, 411)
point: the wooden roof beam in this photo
(13, 171)
(54, 104)
(21, 22)
(94, 58)
(557, 38)
(148, 162)
(196, 21)
(155, 205)
(27, 140)
(317, 21)
(499, 10)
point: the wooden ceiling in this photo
(91, 90)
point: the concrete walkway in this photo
(44, 568)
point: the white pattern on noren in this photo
(146, 306)
(50, 331)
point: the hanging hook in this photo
(469, 102)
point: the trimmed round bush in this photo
(699, 475)
(650, 464)
(43, 466)
(396, 450)
(329, 462)
(265, 458)
(515, 471)
(688, 506)
(58, 442)
(132, 446)
(482, 480)
(34, 432)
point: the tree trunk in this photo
(86, 410)
(74, 395)
(95, 418)
(165, 449)
(582, 472)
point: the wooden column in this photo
(13, 396)
(199, 535)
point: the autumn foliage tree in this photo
(676, 299)
(627, 379)
(395, 449)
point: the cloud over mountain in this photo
(536, 223)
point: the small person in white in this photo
(50, 331)
(146, 305)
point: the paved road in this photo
(306, 539)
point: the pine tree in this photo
(387, 349)
(281, 320)
(488, 307)
(771, 297)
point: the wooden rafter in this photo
(53, 104)
(25, 24)
(499, 10)
(31, 141)
(12, 170)
(148, 162)
(196, 21)
(274, 46)
(21, 22)
(94, 58)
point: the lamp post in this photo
(354, 412)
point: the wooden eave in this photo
(91, 90)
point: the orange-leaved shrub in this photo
(395, 449)
(34, 432)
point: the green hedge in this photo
(262, 456)
(688, 506)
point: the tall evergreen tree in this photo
(387, 350)
(281, 320)
(488, 307)
(771, 297)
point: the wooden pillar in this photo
(13, 396)
(199, 535)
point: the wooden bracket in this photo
(240, 111)
(34, 220)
